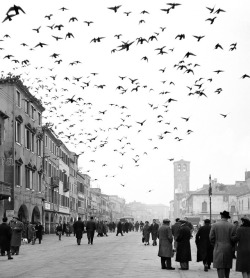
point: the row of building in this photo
(234, 198)
(39, 176)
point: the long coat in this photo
(30, 231)
(154, 230)
(165, 241)
(146, 232)
(243, 250)
(204, 247)
(17, 228)
(39, 231)
(183, 253)
(78, 228)
(119, 227)
(5, 237)
(220, 237)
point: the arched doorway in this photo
(47, 223)
(23, 213)
(35, 215)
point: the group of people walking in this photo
(12, 234)
(216, 243)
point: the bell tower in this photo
(181, 186)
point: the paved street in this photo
(109, 257)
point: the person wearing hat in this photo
(183, 251)
(165, 245)
(242, 237)
(204, 247)
(220, 237)
(17, 229)
(5, 238)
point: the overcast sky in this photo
(122, 154)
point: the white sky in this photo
(218, 146)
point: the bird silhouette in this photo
(115, 8)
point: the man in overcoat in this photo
(175, 230)
(220, 237)
(204, 246)
(39, 231)
(79, 228)
(119, 228)
(5, 238)
(90, 228)
(183, 254)
(165, 245)
(154, 231)
(17, 228)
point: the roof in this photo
(222, 189)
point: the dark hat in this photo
(207, 221)
(182, 221)
(166, 220)
(225, 214)
(245, 219)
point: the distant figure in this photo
(154, 231)
(242, 237)
(99, 228)
(220, 237)
(17, 229)
(204, 247)
(59, 230)
(137, 226)
(5, 238)
(39, 231)
(183, 254)
(236, 226)
(146, 233)
(165, 245)
(64, 228)
(190, 225)
(78, 228)
(90, 228)
(126, 226)
(141, 226)
(175, 230)
(119, 228)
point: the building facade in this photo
(22, 144)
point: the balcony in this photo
(54, 182)
(5, 190)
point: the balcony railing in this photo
(55, 181)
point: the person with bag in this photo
(165, 245)
(59, 230)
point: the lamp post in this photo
(210, 201)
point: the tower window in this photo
(179, 167)
(184, 168)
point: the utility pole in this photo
(210, 198)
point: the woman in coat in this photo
(243, 250)
(204, 247)
(146, 233)
(165, 245)
(183, 254)
(39, 232)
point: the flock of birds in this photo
(67, 109)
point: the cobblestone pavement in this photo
(112, 256)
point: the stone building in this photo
(73, 194)
(181, 186)
(21, 144)
(83, 186)
(224, 197)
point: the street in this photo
(112, 256)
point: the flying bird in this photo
(115, 8)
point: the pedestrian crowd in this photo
(12, 235)
(218, 243)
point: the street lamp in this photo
(210, 199)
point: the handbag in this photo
(143, 239)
